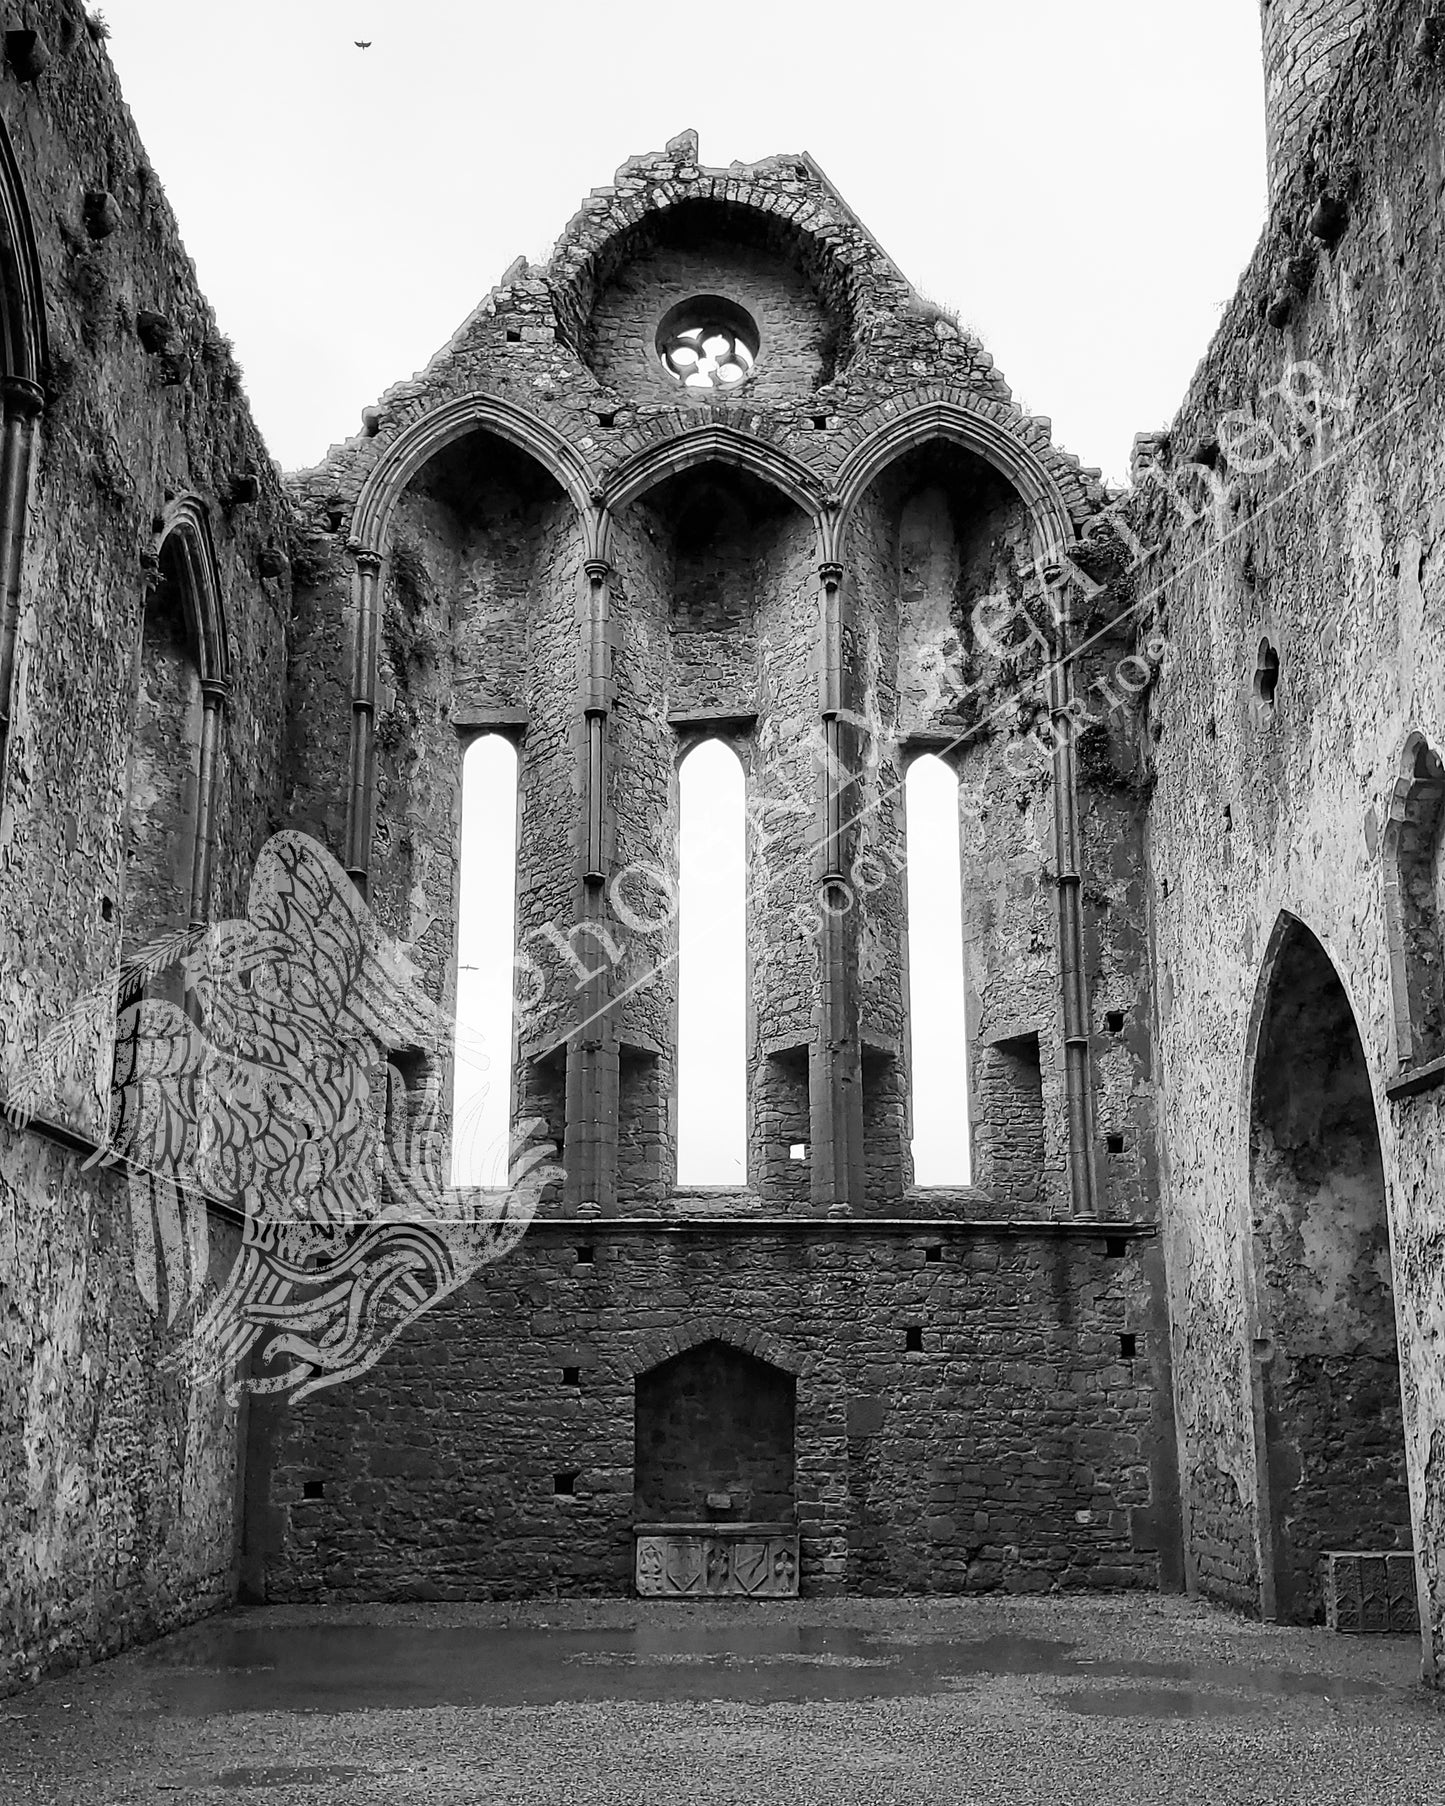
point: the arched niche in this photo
(476, 630)
(716, 548)
(714, 1424)
(181, 676)
(942, 541)
(780, 292)
(1414, 859)
(1325, 1346)
(471, 567)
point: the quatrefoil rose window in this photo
(708, 343)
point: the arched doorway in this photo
(1327, 1360)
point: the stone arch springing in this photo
(1414, 858)
(1329, 1416)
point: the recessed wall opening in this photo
(1415, 874)
(163, 772)
(486, 941)
(938, 1054)
(1327, 1362)
(1266, 676)
(714, 1422)
(712, 981)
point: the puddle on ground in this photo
(220, 1667)
(1155, 1702)
(286, 1777)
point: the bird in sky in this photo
(362, 43)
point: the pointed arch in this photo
(979, 433)
(186, 552)
(24, 341)
(715, 444)
(1329, 1422)
(24, 369)
(652, 1350)
(415, 445)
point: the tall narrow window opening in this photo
(939, 1056)
(712, 984)
(486, 937)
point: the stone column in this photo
(835, 1067)
(361, 779)
(1073, 984)
(590, 1151)
(23, 403)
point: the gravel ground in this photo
(838, 1703)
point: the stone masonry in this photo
(1182, 1326)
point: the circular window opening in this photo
(1266, 674)
(708, 343)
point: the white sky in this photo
(935, 975)
(712, 988)
(1083, 183)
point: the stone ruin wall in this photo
(117, 1479)
(1322, 532)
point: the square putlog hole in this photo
(913, 1341)
(313, 1489)
(1128, 1346)
(564, 1486)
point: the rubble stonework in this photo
(1181, 722)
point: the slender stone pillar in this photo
(23, 403)
(361, 778)
(1078, 1076)
(835, 1067)
(593, 1067)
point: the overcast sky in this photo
(1083, 183)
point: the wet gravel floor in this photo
(842, 1703)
